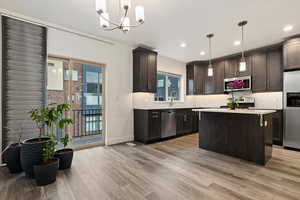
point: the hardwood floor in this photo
(174, 169)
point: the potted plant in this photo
(45, 172)
(64, 155)
(11, 154)
(32, 149)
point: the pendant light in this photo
(243, 65)
(210, 71)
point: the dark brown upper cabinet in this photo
(219, 68)
(291, 54)
(259, 72)
(265, 65)
(195, 74)
(274, 70)
(144, 70)
(232, 67)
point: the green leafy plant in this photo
(49, 148)
(233, 102)
(50, 116)
(65, 140)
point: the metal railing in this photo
(87, 122)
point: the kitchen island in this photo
(241, 133)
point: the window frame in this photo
(167, 74)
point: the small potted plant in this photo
(11, 154)
(64, 155)
(45, 172)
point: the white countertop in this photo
(237, 111)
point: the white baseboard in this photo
(113, 141)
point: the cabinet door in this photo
(154, 125)
(190, 89)
(152, 72)
(188, 121)
(143, 72)
(248, 67)
(274, 71)
(179, 122)
(219, 77)
(199, 79)
(291, 51)
(209, 82)
(195, 122)
(231, 67)
(278, 128)
(259, 72)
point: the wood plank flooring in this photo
(174, 169)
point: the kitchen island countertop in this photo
(237, 111)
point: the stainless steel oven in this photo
(237, 84)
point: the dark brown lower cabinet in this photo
(278, 128)
(147, 126)
(184, 122)
(237, 135)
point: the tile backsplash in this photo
(267, 100)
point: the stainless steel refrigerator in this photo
(291, 106)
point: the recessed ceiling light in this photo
(183, 45)
(202, 53)
(288, 28)
(237, 43)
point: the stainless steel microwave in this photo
(237, 84)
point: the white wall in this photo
(118, 77)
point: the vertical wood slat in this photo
(24, 58)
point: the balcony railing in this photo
(87, 122)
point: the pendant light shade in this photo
(140, 14)
(125, 4)
(243, 64)
(104, 23)
(100, 6)
(126, 24)
(210, 71)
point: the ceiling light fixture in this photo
(210, 71)
(124, 23)
(202, 53)
(237, 43)
(288, 28)
(183, 45)
(243, 65)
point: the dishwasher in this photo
(168, 123)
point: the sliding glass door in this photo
(79, 84)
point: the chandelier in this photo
(124, 23)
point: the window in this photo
(168, 87)
(55, 75)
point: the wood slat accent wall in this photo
(24, 58)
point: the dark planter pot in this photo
(45, 173)
(31, 154)
(13, 158)
(65, 157)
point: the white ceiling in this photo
(171, 22)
